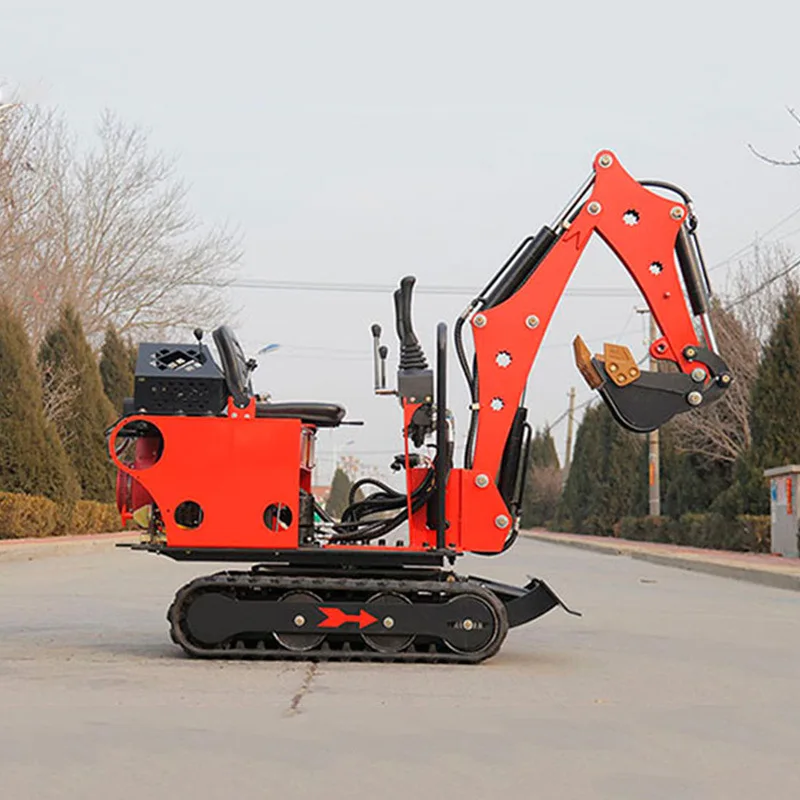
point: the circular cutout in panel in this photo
(188, 515)
(497, 404)
(503, 359)
(277, 517)
(631, 217)
(139, 444)
(656, 268)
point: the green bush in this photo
(746, 533)
(23, 516)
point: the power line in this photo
(746, 248)
(376, 288)
(764, 285)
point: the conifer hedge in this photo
(32, 459)
(90, 413)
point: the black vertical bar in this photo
(442, 454)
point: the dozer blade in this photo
(639, 401)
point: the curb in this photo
(28, 549)
(763, 577)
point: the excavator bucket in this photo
(639, 401)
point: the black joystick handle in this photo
(411, 354)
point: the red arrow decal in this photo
(335, 618)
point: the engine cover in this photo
(178, 379)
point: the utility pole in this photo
(654, 463)
(570, 423)
(653, 456)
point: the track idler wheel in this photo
(476, 622)
(387, 643)
(299, 642)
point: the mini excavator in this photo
(213, 472)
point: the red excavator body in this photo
(214, 473)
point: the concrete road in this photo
(674, 685)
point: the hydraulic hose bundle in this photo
(355, 525)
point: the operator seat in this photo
(323, 415)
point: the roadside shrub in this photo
(746, 533)
(89, 516)
(24, 515)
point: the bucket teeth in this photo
(620, 365)
(617, 360)
(583, 360)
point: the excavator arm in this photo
(654, 237)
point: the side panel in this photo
(234, 469)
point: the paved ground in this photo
(674, 685)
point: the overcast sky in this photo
(362, 141)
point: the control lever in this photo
(383, 351)
(411, 354)
(379, 353)
(376, 346)
(198, 334)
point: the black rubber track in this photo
(337, 646)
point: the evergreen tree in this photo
(337, 499)
(689, 482)
(774, 414)
(602, 483)
(116, 369)
(543, 481)
(32, 459)
(775, 401)
(90, 412)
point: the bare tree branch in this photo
(60, 389)
(795, 162)
(109, 230)
(721, 431)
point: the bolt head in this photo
(694, 398)
(299, 620)
(388, 622)
(698, 375)
(502, 521)
(676, 212)
(479, 320)
(605, 160)
(594, 208)
(612, 367)
(532, 321)
(690, 352)
(481, 481)
(467, 624)
(724, 379)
